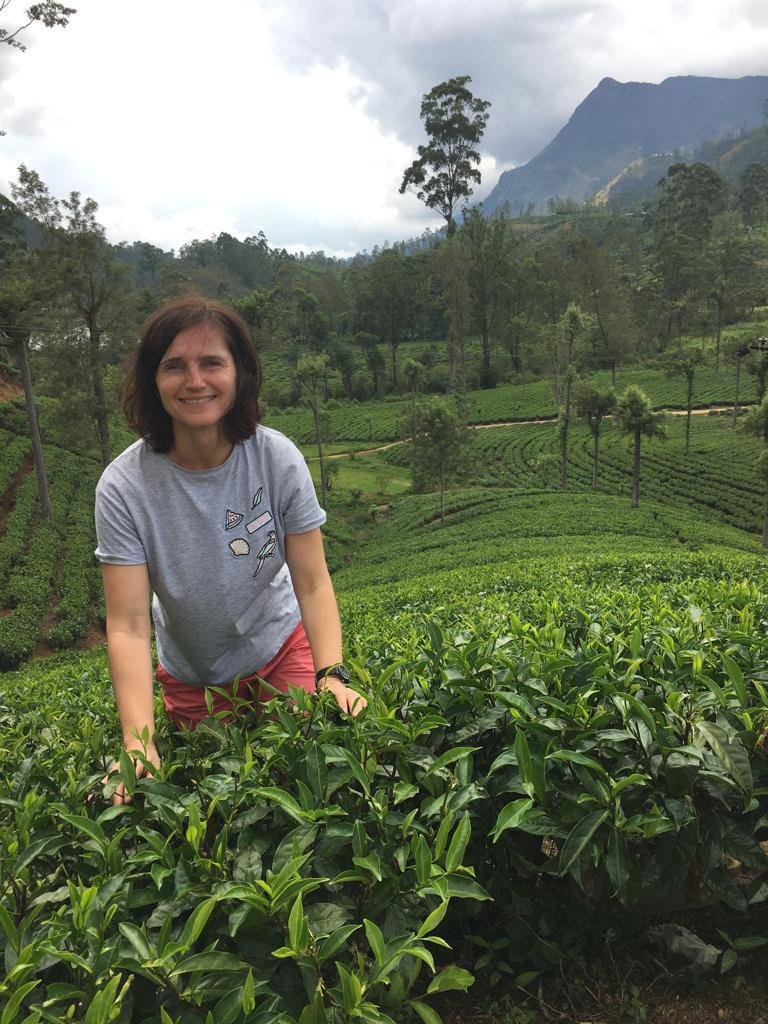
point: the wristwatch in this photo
(332, 670)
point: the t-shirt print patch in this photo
(233, 519)
(240, 547)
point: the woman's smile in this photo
(197, 378)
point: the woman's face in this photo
(197, 378)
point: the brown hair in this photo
(141, 402)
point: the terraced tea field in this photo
(49, 585)
(377, 421)
(718, 478)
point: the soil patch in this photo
(95, 636)
(9, 498)
(9, 388)
(643, 993)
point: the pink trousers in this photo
(185, 702)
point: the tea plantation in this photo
(562, 745)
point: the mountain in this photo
(620, 123)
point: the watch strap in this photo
(337, 670)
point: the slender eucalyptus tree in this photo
(310, 377)
(593, 404)
(636, 416)
(684, 362)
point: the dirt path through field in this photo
(511, 423)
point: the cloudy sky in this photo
(298, 117)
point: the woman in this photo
(217, 517)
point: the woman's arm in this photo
(319, 611)
(126, 595)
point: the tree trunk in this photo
(636, 473)
(736, 399)
(393, 343)
(442, 493)
(613, 375)
(717, 338)
(486, 343)
(22, 356)
(320, 456)
(595, 450)
(97, 383)
(564, 429)
(688, 406)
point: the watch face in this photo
(341, 673)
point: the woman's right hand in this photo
(142, 770)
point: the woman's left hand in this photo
(349, 700)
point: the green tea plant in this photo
(544, 750)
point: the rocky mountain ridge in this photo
(622, 123)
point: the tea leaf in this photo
(580, 835)
(449, 757)
(458, 843)
(511, 816)
(376, 941)
(210, 961)
(451, 979)
(427, 1014)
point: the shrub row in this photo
(517, 783)
(28, 592)
(75, 582)
(13, 451)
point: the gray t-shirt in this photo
(214, 543)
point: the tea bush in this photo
(487, 525)
(544, 750)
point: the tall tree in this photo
(756, 363)
(453, 273)
(310, 376)
(89, 281)
(438, 447)
(636, 416)
(369, 343)
(341, 357)
(20, 302)
(735, 353)
(606, 298)
(488, 246)
(444, 172)
(736, 282)
(756, 423)
(684, 362)
(593, 404)
(690, 198)
(387, 302)
(752, 194)
(414, 372)
(564, 340)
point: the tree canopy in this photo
(444, 172)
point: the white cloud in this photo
(298, 117)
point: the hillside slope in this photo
(620, 122)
